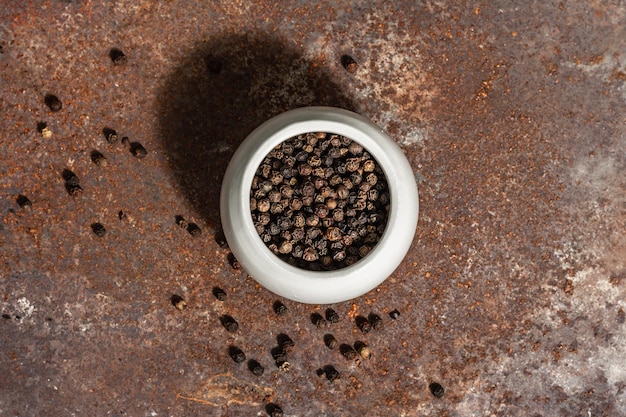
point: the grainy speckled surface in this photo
(512, 296)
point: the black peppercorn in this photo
(285, 343)
(319, 321)
(375, 320)
(194, 230)
(348, 351)
(98, 159)
(255, 367)
(363, 350)
(178, 302)
(330, 341)
(236, 354)
(394, 314)
(332, 316)
(138, 150)
(229, 323)
(181, 222)
(53, 102)
(117, 56)
(219, 293)
(98, 229)
(110, 135)
(280, 308)
(24, 202)
(273, 410)
(331, 372)
(362, 323)
(349, 64)
(436, 389)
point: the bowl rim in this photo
(318, 287)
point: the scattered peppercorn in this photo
(319, 321)
(273, 410)
(121, 215)
(280, 308)
(255, 367)
(283, 366)
(194, 230)
(229, 323)
(125, 141)
(363, 325)
(53, 102)
(117, 56)
(98, 158)
(331, 373)
(24, 202)
(330, 341)
(220, 239)
(332, 316)
(98, 229)
(347, 351)
(362, 349)
(394, 314)
(236, 354)
(219, 293)
(110, 135)
(234, 263)
(178, 302)
(436, 389)
(180, 221)
(285, 342)
(6, 316)
(349, 64)
(375, 320)
(138, 150)
(43, 128)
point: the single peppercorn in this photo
(436, 389)
(362, 349)
(138, 150)
(394, 314)
(181, 222)
(330, 341)
(53, 102)
(331, 373)
(279, 308)
(219, 293)
(348, 351)
(117, 56)
(255, 367)
(98, 229)
(319, 321)
(285, 343)
(233, 262)
(236, 354)
(274, 410)
(110, 135)
(375, 320)
(194, 230)
(24, 202)
(98, 158)
(178, 302)
(363, 325)
(349, 64)
(332, 316)
(229, 323)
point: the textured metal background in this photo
(513, 117)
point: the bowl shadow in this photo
(222, 91)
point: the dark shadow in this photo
(220, 93)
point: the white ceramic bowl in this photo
(318, 287)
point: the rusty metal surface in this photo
(512, 296)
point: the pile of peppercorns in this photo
(319, 201)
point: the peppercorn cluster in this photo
(319, 201)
